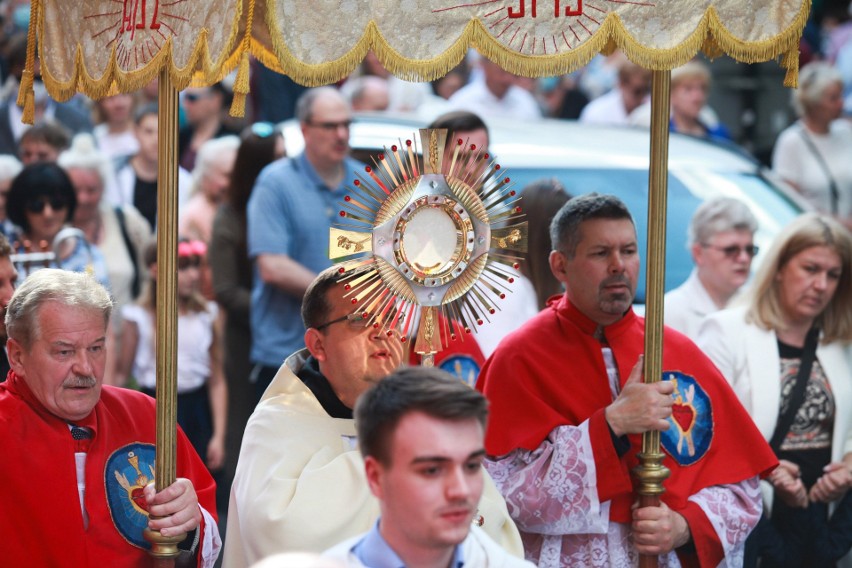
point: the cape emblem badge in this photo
(128, 470)
(691, 423)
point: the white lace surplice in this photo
(552, 496)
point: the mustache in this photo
(616, 279)
(80, 382)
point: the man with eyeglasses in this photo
(292, 206)
(299, 483)
(721, 240)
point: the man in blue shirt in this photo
(289, 215)
(421, 433)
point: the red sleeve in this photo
(708, 549)
(190, 466)
(613, 476)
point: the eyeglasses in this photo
(263, 129)
(38, 205)
(733, 251)
(331, 126)
(356, 320)
(185, 262)
(359, 320)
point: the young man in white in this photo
(421, 432)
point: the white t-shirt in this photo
(606, 109)
(195, 336)
(795, 161)
(516, 103)
(115, 145)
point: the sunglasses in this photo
(734, 251)
(331, 126)
(38, 205)
(185, 262)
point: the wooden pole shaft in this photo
(650, 473)
(166, 336)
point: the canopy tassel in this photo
(241, 87)
(26, 95)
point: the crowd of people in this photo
(302, 430)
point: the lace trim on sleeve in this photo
(552, 490)
(733, 510)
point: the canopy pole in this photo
(165, 548)
(650, 473)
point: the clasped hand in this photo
(831, 486)
(174, 510)
(640, 407)
(658, 530)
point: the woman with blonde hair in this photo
(787, 355)
(690, 87)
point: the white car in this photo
(613, 160)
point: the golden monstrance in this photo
(433, 234)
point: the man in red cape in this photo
(78, 457)
(568, 409)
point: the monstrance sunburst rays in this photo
(433, 232)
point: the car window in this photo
(686, 190)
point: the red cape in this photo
(551, 372)
(38, 495)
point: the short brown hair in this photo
(431, 391)
(48, 132)
(565, 227)
(315, 304)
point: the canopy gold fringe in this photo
(248, 36)
(710, 36)
(200, 66)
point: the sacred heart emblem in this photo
(684, 416)
(126, 473)
(691, 431)
(137, 495)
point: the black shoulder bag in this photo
(797, 397)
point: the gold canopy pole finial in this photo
(165, 548)
(650, 473)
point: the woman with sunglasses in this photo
(720, 239)
(41, 202)
(787, 355)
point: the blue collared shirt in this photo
(374, 552)
(290, 212)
